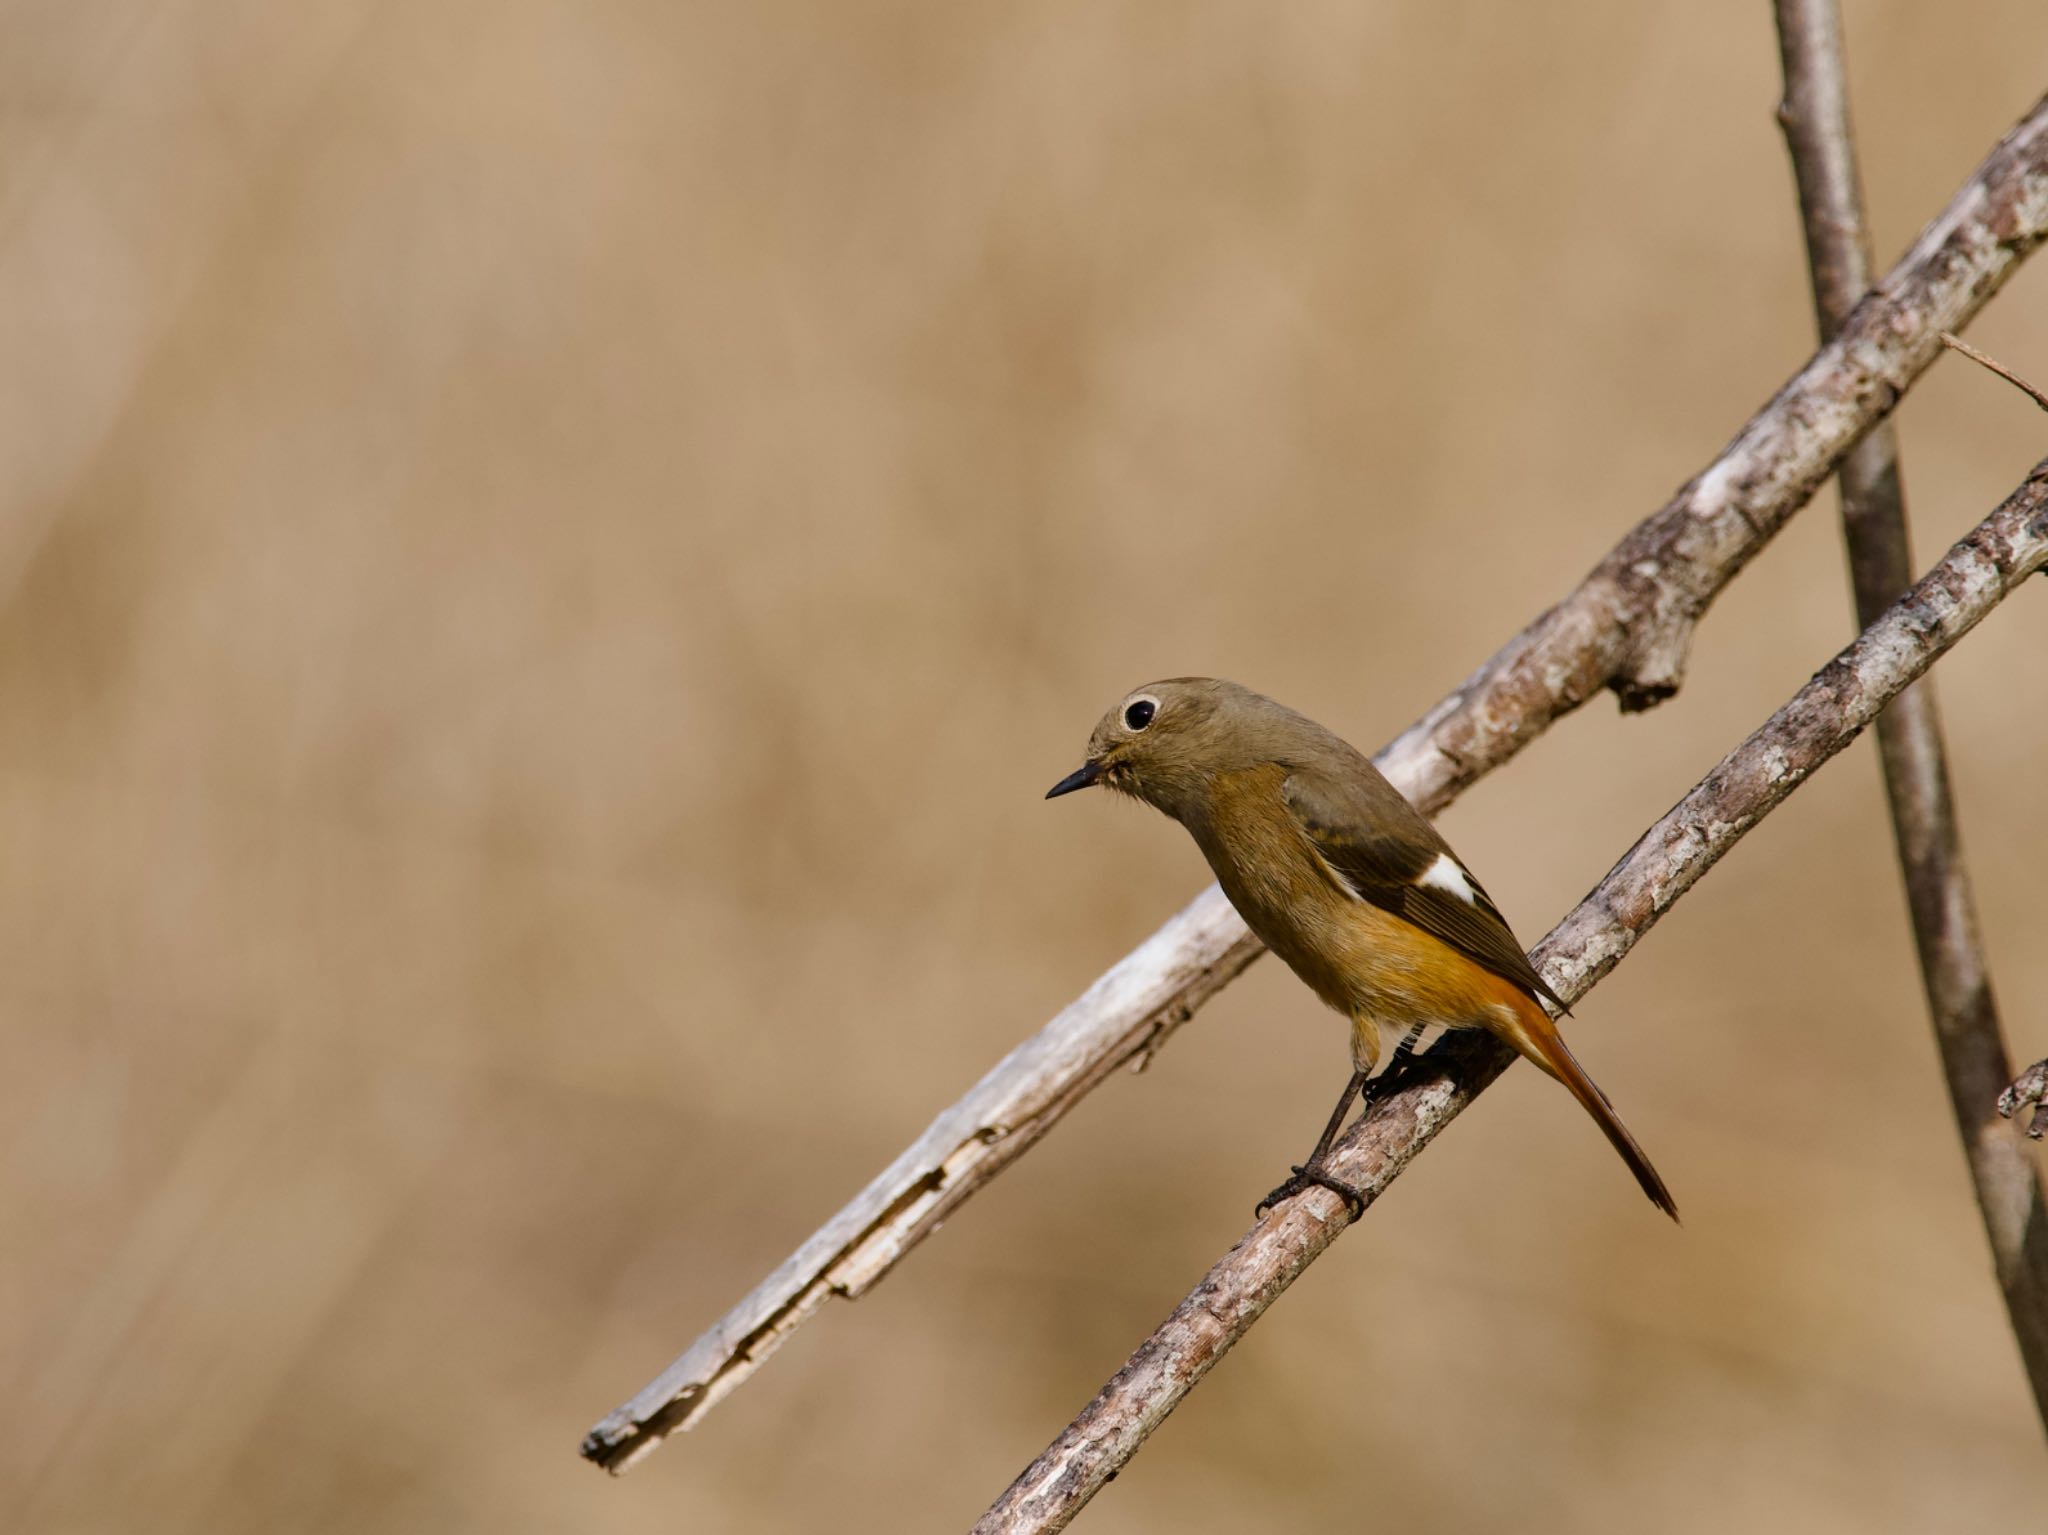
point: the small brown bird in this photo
(1346, 881)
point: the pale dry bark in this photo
(1626, 627)
(1822, 718)
(1954, 971)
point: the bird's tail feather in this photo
(1537, 1038)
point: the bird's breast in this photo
(1360, 959)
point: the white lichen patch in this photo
(1712, 493)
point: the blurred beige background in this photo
(549, 553)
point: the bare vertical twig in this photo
(1815, 116)
(1667, 860)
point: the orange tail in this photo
(1537, 1038)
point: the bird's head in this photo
(1165, 742)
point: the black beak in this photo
(1080, 778)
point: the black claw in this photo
(1312, 1177)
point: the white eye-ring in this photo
(1138, 713)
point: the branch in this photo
(1822, 718)
(1954, 971)
(1627, 627)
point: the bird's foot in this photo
(2030, 1086)
(1313, 1177)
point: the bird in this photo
(1338, 874)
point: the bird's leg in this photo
(1358, 1089)
(1363, 1088)
(1310, 1174)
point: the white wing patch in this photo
(1445, 875)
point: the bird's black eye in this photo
(1139, 715)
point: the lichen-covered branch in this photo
(1627, 627)
(1953, 968)
(1821, 719)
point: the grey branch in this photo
(1627, 627)
(1953, 969)
(1821, 719)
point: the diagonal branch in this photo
(1953, 969)
(1821, 719)
(1626, 627)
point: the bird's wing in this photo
(1382, 849)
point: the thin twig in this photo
(1958, 344)
(1954, 970)
(1627, 627)
(1821, 719)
